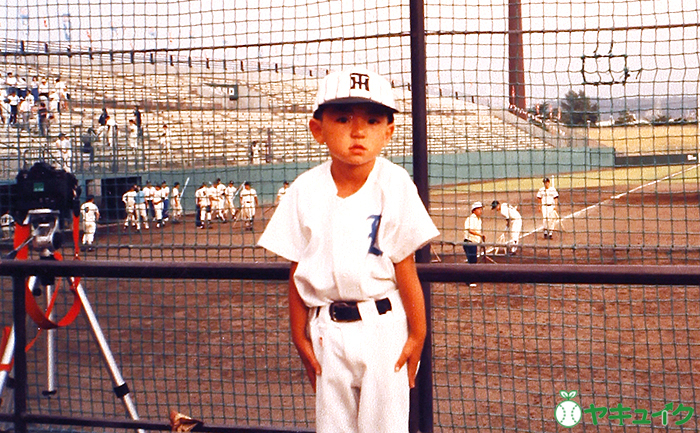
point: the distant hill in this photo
(646, 108)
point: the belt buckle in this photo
(337, 306)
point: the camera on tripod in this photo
(44, 197)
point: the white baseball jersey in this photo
(175, 195)
(473, 223)
(346, 247)
(248, 197)
(548, 195)
(212, 194)
(202, 197)
(220, 191)
(148, 192)
(510, 212)
(89, 211)
(129, 199)
(281, 192)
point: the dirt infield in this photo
(220, 350)
(643, 227)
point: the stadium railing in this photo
(436, 273)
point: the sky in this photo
(573, 44)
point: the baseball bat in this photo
(187, 181)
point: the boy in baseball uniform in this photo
(473, 236)
(514, 224)
(547, 196)
(350, 227)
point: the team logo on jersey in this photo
(358, 81)
(373, 249)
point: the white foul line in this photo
(613, 197)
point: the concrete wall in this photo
(444, 169)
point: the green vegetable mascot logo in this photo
(568, 413)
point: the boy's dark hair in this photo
(318, 114)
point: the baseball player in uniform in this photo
(148, 192)
(548, 196)
(158, 205)
(90, 214)
(165, 193)
(229, 200)
(473, 235)
(201, 197)
(514, 224)
(130, 205)
(281, 192)
(249, 203)
(350, 227)
(141, 215)
(218, 204)
(176, 201)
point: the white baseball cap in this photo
(355, 85)
(476, 205)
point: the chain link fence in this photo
(598, 97)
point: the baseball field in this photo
(220, 351)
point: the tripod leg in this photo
(50, 349)
(7, 358)
(120, 387)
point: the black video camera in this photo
(45, 187)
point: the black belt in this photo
(347, 311)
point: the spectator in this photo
(25, 111)
(87, 140)
(164, 143)
(22, 87)
(54, 102)
(111, 131)
(62, 91)
(137, 121)
(44, 90)
(43, 119)
(65, 153)
(133, 135)
(103, 117)
(13, 100)
(34, 86)
(11, 83)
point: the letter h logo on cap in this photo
(358, 81)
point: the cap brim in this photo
(354, 100)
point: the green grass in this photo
(648, 139)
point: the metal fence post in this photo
(422, 397)
(20, 364)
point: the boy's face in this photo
(354, 133)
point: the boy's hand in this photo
(308, 357)
(412, 298)
(410, 355)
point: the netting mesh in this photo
(600, 97)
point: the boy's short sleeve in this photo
(410, 226)
(283, 234)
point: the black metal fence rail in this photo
(439, 273)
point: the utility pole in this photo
(516, 65)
